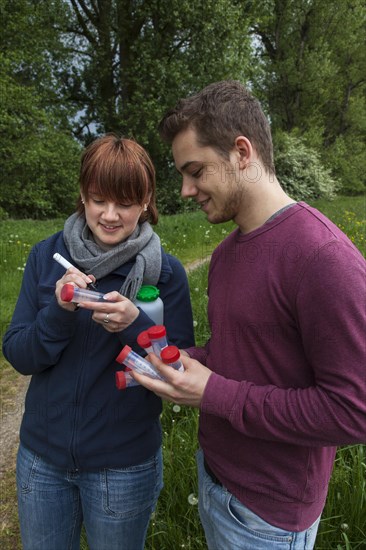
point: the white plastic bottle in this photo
(148, 300)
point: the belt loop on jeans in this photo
(214, 479)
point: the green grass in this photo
(343, 523)
(175, 523)
(189, 236)
(349, 214)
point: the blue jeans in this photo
(115, 505)
(230, 525)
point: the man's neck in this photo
(261, 204)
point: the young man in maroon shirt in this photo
(281, 381)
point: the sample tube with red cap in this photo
(132, 360)
(144, 341)
(124, 380)
(171, 356)
(157, 335)
(71, 293)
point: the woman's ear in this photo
(147, 201)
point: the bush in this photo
(39, 178)
(168, 187)
(346, 156)
(300, 170)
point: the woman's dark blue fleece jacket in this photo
(74, 415)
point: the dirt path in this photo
(11, 416)
(196, 263)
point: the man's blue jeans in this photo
(230, 525)
(114, 504)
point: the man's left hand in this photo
(185, 388)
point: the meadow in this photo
(175, 523)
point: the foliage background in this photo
(73, 69)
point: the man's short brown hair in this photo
(218, 114)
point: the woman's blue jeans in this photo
(115, 504)
(230, 525)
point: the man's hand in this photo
(185, 388)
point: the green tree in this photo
(312, 77)
(38, 154)
(134, 59)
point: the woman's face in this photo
(111, 223)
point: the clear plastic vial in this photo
(157, 335)
(131, 359)
(148, 300)
(171, 356)
(144, 342)
(71, 293)
(124, 380)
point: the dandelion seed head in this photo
(192, 499)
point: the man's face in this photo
(213, 181)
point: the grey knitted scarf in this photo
(143, 246)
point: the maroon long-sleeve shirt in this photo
(287, 350)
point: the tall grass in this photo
(175, 523)
(343, 524)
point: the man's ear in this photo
(244, 151)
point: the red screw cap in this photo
(143, 339)
(157, 331)
(67, 293)
(123, 354)
(120, 380)
(170, 354)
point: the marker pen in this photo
(66, 264)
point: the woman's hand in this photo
(114, 314)
(75, 277)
